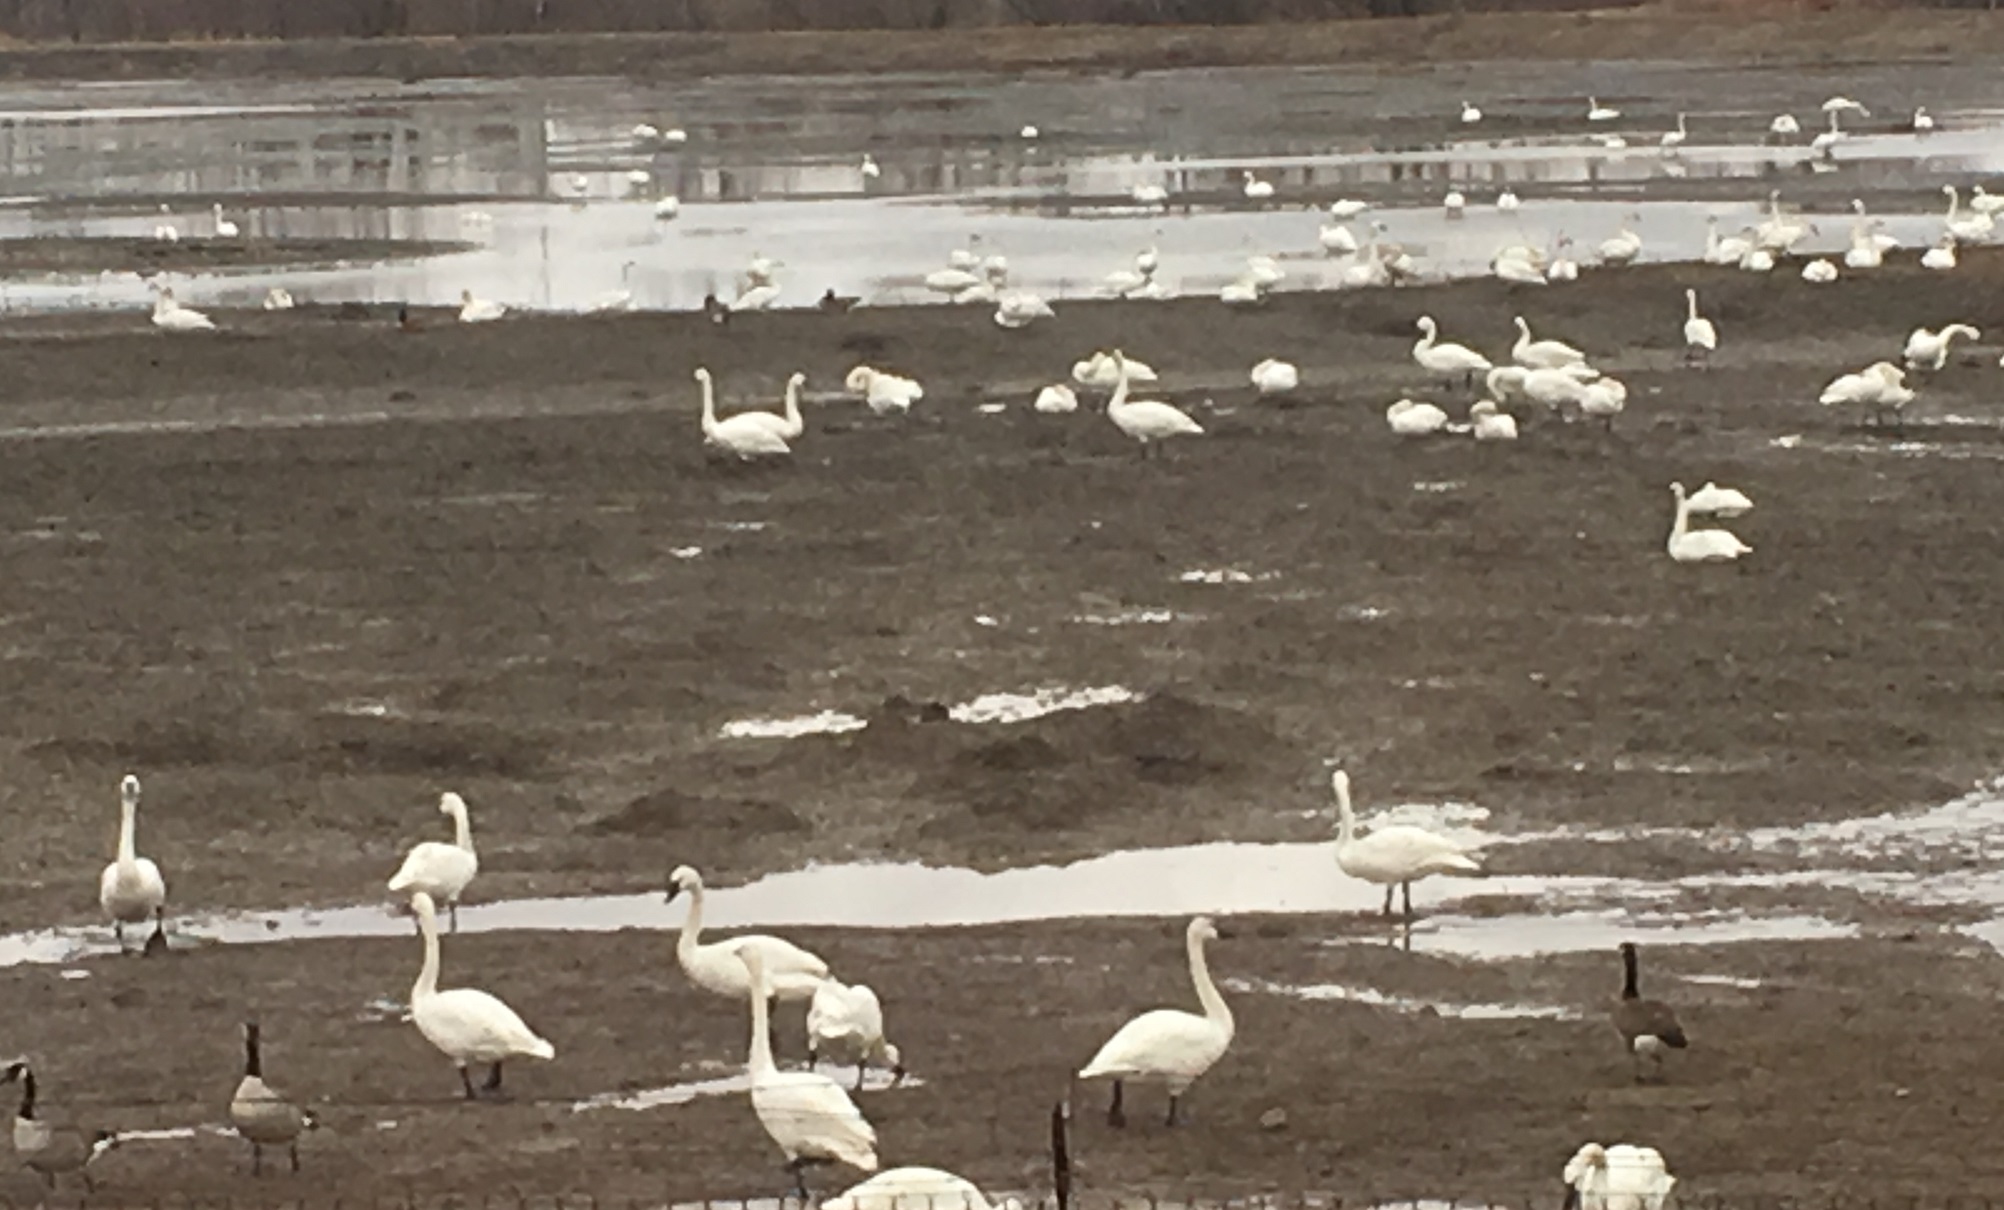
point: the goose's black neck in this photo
(1628, 988)
(27, 1110)
(253, 1059)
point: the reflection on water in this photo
(549, 179)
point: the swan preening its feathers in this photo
(437, 868)
(467, 1025)
(846, 1024)
(1395, 856)
(131, 890)
(1168, 1046)
(1620, 1177)
(806, 1113)
(884, 393)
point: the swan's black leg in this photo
(466, 1082)
(859, 1075)
(1115, 1115)
(1387, 912)
(156, 943)
(1172, 1109)
(493, 1079)
(293, 1150)
(799, 1170)
(257, 1159)
(1408, 888)
(452, 909)
(118, 931)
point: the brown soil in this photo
(81, 254)
(473, 530)
(1771, 36)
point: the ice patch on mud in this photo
(988, 708)
(1136, 617)
(1225, 575)
(827, 722)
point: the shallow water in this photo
(535, 173)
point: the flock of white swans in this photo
(810, 1117)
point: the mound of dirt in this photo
(670, 812)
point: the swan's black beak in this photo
(670, 896)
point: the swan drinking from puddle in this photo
(1396, 855)
(805, 1112)
(468, 1025)
(131, 889)
(439, 869)
(1168, 1046)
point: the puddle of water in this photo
(733, 1085)
(827, 722)
(1227, 575)
(1377, 999)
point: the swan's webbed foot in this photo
(1116, 1117)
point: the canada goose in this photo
(260, 1114)
(51, 1151)
(1647, 1027)
(836, 303)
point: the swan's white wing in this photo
(781, 957)
(910, 1189)
(440, 870)
(1165, 1042)
(808, 1114)
(473, 1026)
(1399, 852)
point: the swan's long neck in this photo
(761, 1036)
(1954, 202)
(1678, 526)
(692, 927)
(1207, 992)
(1119, 399)
(427, 979)
(1692, 307)
(253, 1061)
(1711, 237)
(462, 829)
(1426, 341)
(128, 819)
(1347, 827)
(1523, 338)
(709, 407)
(1629, 991)
(793, 403)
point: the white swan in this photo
(278, 298)
(884, 393)
(1826, 141)
(1779, 232)
(1470, 114)
(743, 436)
(1343, 209)
(756, 298)
(1264, 271)
(1977, 226)
(1840, 103)
(1394, 856)
(1256, 189)
(1020, 308)
(1542, 354)
(1867, 228)
(1563, 267)
(1446, 360)
(1553, 388)
(846, 1024)
(442, 870)
(1623, 246)
(1508, 201)
(787, 423)
(1337, 239)
(1727, 251)
(1412, 418)
(1819, 272)
(1713, 500)
(1147, 260)
(1454, 203)
(646, 132)
(1784, 123)
(718, 967)
(1879, 386)
(1167, 1045)
(1701, 338)
(1596, 112)
(869, 167)
(1148, 421)
(1056, 400)
(1099, 373)
(1674, 139)
(915, 1189)
(667, 208)
(1928, 350)
(225, 229)
(1983, 202)
(1149, 195)
(1274, 377)
(1489, 423)
(1517, 268)
(1687, 545)
(1757, 260)
(806, 1113)
(1604, 399)
(1620, 1177)
(1028, 132)
(1941, 256)
(1244, 292)
(478, 310)
(1864, 252)
(173, 317)
(131, 889)
(1122, 283)
(467, 1025)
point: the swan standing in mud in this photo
(437, 868)
(1446, 360)
(846, 1024)
(1395, 856)
(791, 973)
(1542, 354)
(1168, 1046)
(467, 1025)
(806, 1113)
(131, 890)
(1148, 421)
(1701, 338)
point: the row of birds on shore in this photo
(809, 1116)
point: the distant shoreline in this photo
(1653, 33)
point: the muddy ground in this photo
(351, 566)
(1696, 32)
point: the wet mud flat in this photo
(50, 254)
(1815, 1068)
(303, 575)
(1667, 31)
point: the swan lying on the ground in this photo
(1687, 545)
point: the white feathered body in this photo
(911, 1189)
(845, 1023)
(472, 1026)
(1621, 1177)
(1714, 500)
(884, 393)
(1402, 853)
(261, 1115)
(1165, 1046)
(811, 1117)
(1274, 377)
(1056, 399)
(438, 868)
(1411, 418)
(791, 973)
(130, 893)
